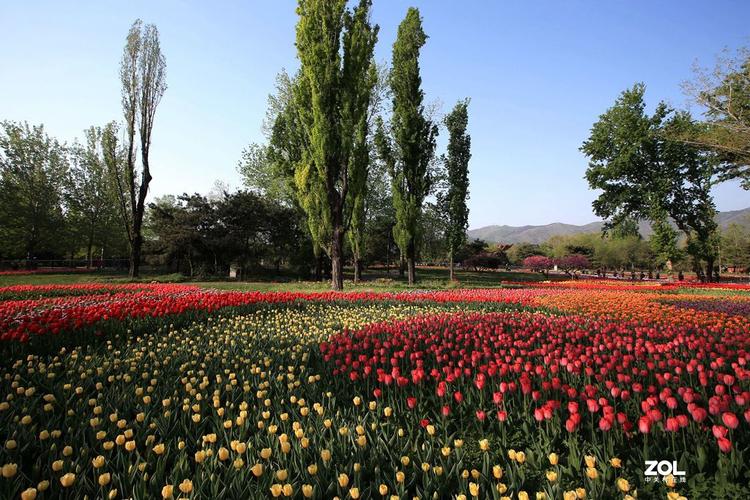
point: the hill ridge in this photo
(538, 234)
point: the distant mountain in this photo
(540, 234)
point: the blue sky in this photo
(538, 74)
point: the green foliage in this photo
(724, 94)
(409, 152)
(641, 169)
(519, 251)
(32, 166)
(457, 170)
(335, 47)
(91, 200)
(200, 236)
(735, 246)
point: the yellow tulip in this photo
(276, 490)
(590, 460)
(474, 489)
(497, 472)
(104, 479)
(68, 479)
(28, 494)
(186, 486)
(307, 490)
(623, 485)
(167, 491)
(257, 470)
(553, 458)
(354, 493)
(343, 480)
(551, 476)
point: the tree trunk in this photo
(135, 256)
(388, 258)
(337, 261)
(410, 258)
(709, 269)
(319, 268)
(401, 264)
(450, 259)
(357, 269)
(89, 253)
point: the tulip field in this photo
(542, 391)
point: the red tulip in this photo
(644, 425)
(730, 420)
(725, 445)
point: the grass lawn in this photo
(376, 279)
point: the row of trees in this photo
(617, 251)
(203, 235)
(661, 166)
(56, 198)
(350, 167)
(355, 176)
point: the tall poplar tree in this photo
(457, 170)
(335, 48)
(142, 74)
(409, 153)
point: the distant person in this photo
(680, 276)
